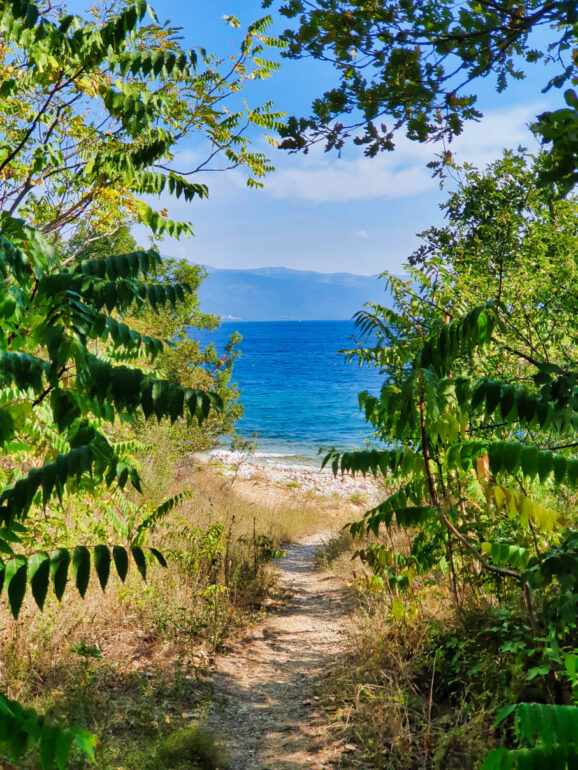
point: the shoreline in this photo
(288, 477)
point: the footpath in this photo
(265, 703)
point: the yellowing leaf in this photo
(398, 609)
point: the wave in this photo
(274, 459)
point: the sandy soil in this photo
(265, 703)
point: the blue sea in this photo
(297, 391)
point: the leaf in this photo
(15, 583)
(504, 713)
(159, 557)
(102, 564)
(39, 577)
(398, 609)
(85, 741)
(48, 739)
(81, 568)
(62, 750)
(120, 561)
(140, 561)
(59, 562)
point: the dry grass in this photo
(393, 696)
(130, 664)
(387, 698)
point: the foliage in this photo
(184, 361)
(22, 728)
(91, 115)
(549, 733)
(92, 112)
(479, 405)
(478, 413)
(415, 62)
(193, 747)
(63, 381)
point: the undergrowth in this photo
(130, 664)
(422, 682)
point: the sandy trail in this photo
(264, 702)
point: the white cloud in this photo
(322, 178)
(363, 234)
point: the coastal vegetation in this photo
(93, 347)
(468, 641)
(125, 566)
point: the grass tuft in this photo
(192, 747)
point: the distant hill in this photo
(280, 294)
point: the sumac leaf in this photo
(140, 561)
(59, 562)
(39, 577)
(120, 557)
(81, 568)
(102, 564)
(159, 557)
(16, 570)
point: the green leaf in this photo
(81, 568)
(120, 557)
(39, 577)
(59, 562)
(85, 741)
(48, 739)
(15, 582)
(140, 561)
(159, 557)
(63, 745)
(102, 564)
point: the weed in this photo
(125, 664)
(192, 747)
(358, 498)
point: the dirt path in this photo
(264, 702)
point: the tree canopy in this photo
(417, 63)
(92, 113)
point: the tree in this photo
(184, 361)
(58, 391)
(479, 407)
(417, 63)
(477, 416)
(91, 114)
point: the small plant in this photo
(192, 747)
(358, 498)
(293, 484)
(84, 650)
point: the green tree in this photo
(69, 368)
(478, 416)
(417, 63)
(92, 113)
(479, 407)
(91, 117)
(184, 361)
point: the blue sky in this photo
(320, 212)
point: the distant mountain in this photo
(280, 294)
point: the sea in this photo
(298, 393)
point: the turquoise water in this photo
(298, 393)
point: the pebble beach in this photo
(307, 478)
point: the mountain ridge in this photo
(285, 294)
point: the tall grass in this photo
(130, 664)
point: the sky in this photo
(318, 211)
